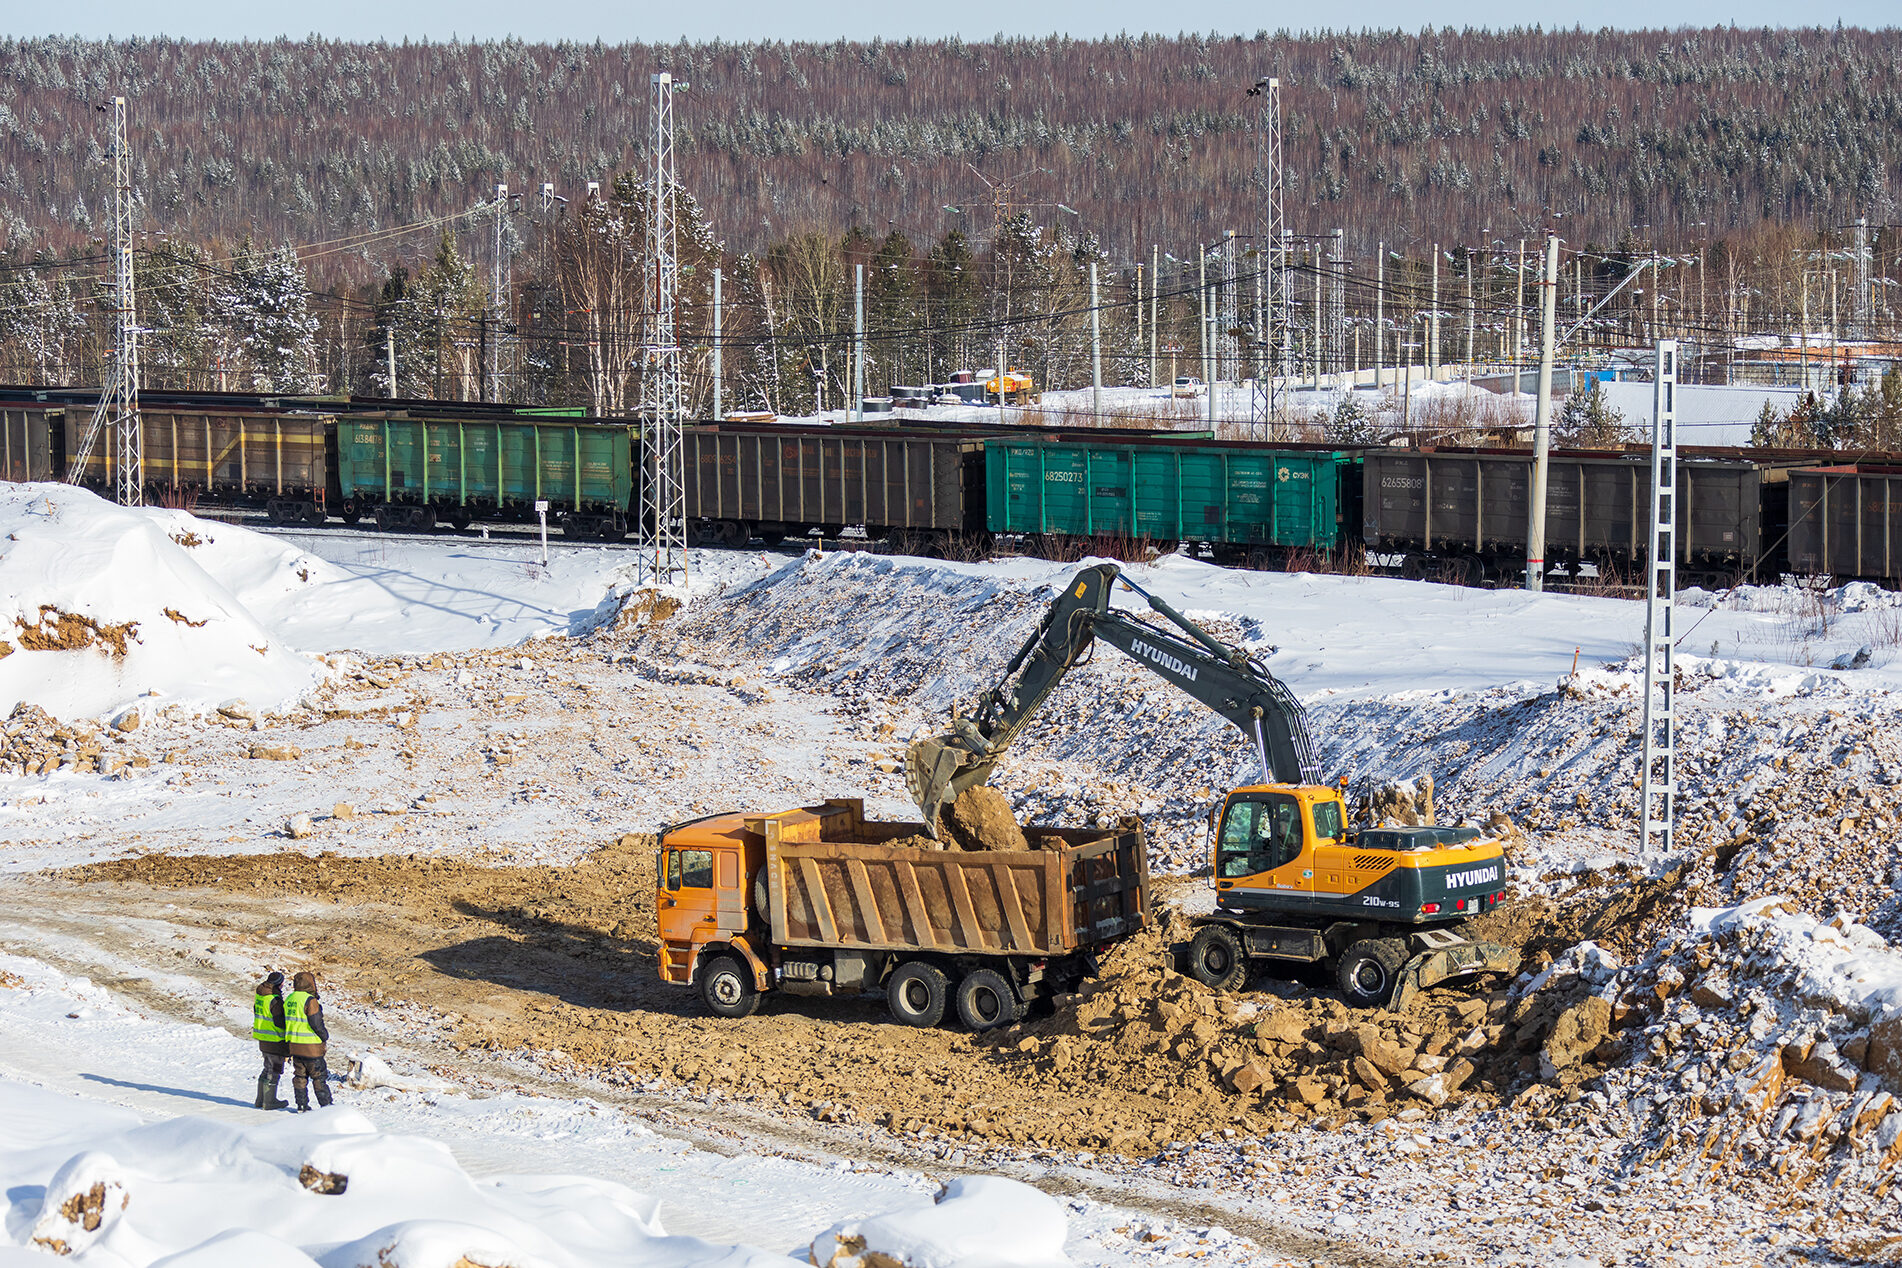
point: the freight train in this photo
(1455, 514)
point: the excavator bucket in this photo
(937, 769)
(1446, 964)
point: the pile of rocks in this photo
(34, 743)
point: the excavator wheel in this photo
(726, 986)
(915, 994)
(985, 1001)
(1368, 970)
(1215, 958)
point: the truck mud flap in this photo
(1446, 964)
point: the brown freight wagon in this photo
(774, 482)
(276, 461)
(1465, 511)
(820, 901)
(1846, 522)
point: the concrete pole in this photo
(1380, 305)
(718, 414)
(1155, 309)
(1320, 336)
(1139, 305)
(1519, 317)
(389, 349)
(1208, 356)
(1096, 351)
(1472, 316)
(1433, 322)
(1542, 420)
(858, 343)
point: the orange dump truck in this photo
(820, 901)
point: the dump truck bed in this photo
(833, 879)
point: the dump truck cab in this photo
(703, 873)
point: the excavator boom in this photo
(1226, 679)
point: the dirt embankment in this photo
(559, 962)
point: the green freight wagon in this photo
(409, 472)
(1246, 502)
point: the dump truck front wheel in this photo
(1368, 970)
(727, 987)
(1215, 958)
(985, 1001)
(915, 994)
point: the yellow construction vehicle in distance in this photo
(1012, 387)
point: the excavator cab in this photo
(1268, 834)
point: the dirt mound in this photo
(981, 819)
(57, 631)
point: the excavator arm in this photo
(1226, 679)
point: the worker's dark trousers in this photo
(306, 1071)
(275, 1055)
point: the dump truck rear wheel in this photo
(985, 1001)
(1215, 958)
(1368, 970)
(727, 987)
(915, 994)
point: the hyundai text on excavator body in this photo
(1293, 880)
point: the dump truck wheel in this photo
(985, 1001)
(915, 994)
(1368, 970)
(1215, 958)
(727, 987)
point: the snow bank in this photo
(984, 1220)
(1840, 964)
(101, 605)
(97, 1186)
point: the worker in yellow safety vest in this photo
(267, 1027)
(307, 1037)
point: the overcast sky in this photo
(616, 20)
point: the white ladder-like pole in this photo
(1657, 789)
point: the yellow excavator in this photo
(1294, 881)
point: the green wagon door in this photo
(1111, 499)
(1251, 497)
(1157, 476)
(480, 473)
(1304, 493)
(605, 479)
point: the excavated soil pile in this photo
(556, 965)
(981, 819)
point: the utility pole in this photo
(498, 283)
(1803, 341)
(1542, 419)
(119, 394)
(1380, 306)
(389, 350)
(858, 349)
(1320, 342)
(1208, 350)
(1861, 305)
(1471, 316)
(1518, 316)
(718, 413)
(1139, 315)
(1096, 351)
(663, 527)
(1433, 322)
(1155, 311)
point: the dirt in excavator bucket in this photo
(981, 819)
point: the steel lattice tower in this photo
(498, 299)
(1265, 401)
(1229, 367)
(119, 396)
(663, 523)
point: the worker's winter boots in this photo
(267, 1094)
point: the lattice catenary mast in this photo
(663, 523)
(1272, 338)
(119, 394)
(1657, 782)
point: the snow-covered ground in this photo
(452, 700)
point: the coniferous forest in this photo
(305, 207)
